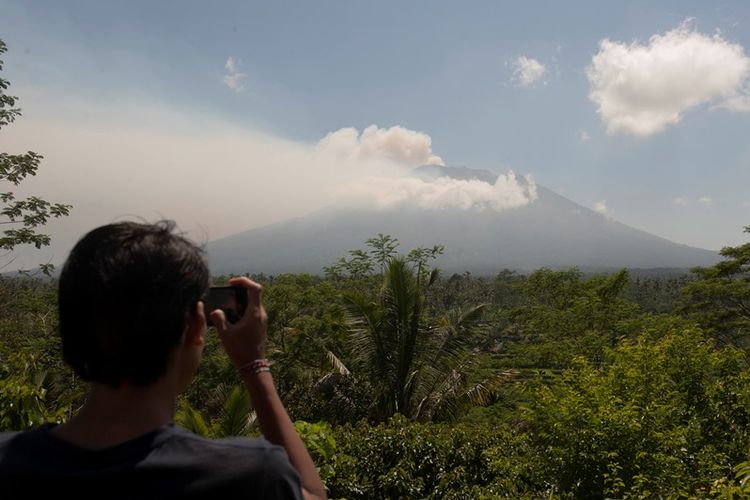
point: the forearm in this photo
(278, 428)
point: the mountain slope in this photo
(552, 231)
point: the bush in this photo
(667, 417)
(404, 459)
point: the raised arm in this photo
(245, 342)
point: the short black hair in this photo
(124, 297)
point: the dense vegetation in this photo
(410, 384)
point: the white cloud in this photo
(398, 145)
(737, 103)
(601, 207)
(388, 192)
(643, 88)
(584, 136)
(746, 203)
(680, 201)
(704, 200)
(528, 71)
(234, 79)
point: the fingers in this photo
(245, 340)
(219, 320)
(200, 311)
(254, 290)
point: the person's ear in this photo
(196, 328)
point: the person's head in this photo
(127, 294)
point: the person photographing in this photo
(133, 324)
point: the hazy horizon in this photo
(238, 115)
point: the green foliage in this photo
(719, 299)
(24, 216)
(306, 325)
(553, 385)
(737, 489)
(192, 420)
(23, 395)
(563, 315)
(321, 445)
(404, 459)
(561, 304)
(382, 249)
(667, 417)
(235, 416)
(657, 293)
(357, 267)
(8, 111)
(415, 366)
(35, 386)
(420, 257)
(214, 372)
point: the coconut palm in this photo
(417, 367)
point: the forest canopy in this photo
(407, 383)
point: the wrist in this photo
(247, 357)
(254, 367)
(258, 383)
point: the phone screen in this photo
(230, 299)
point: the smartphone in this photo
(230, 299)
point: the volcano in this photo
(551, 231)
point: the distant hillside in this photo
(552, 232)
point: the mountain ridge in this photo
(552, 231)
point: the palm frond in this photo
(365, 340)
(337, 364)
(442, 354)
(413, 367)
(470, 315)
(434, 275)
(218, 396)
(403, 305)
(235, 417)
(458, 319)
(191, 419)
(455, 403)
(444, 351)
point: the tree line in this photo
(407, 383)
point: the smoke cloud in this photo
(383, 192)
(398, 145)
(383, 154)
(139, 160)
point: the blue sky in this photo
(452, 71)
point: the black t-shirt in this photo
(166, 463)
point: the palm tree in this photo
(417, 367)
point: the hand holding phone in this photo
(232, 299)
(245, 340)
